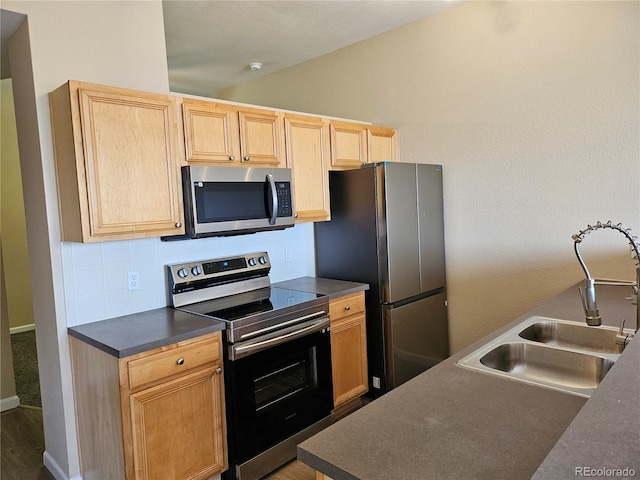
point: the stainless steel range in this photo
(278, 384)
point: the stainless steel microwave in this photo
(235, 200)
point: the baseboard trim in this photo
(55, 470)
(22, 328)
(9, 403)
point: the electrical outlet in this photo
(376, 382)
(287, 255)
(133, 280)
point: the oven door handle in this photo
(243, 350)
(262, 331)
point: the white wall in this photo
(14, 245)
(533, 110)
(117, 43)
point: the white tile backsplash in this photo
(86, 254)
(116, 252)
(95, 275)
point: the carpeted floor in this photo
(25, 367)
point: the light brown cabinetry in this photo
(354, 144)
(157, 414)
(308, 151)
(382, 144)
(117, 155)
(348, 145)
(348, 348)
(232, 135)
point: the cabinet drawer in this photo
(345, 306)
(171, 362)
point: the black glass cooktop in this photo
(247, 304)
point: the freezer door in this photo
(417, 337)
(398, 227)
(431, 227)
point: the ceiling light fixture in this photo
(255, 66)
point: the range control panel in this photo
(219, 268)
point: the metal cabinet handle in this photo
(180, 361)
(178, 224)
(232, 157)
(218, 371)
(247, 158)
(347, 308)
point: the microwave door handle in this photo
(274, 200)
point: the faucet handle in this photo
(622, 338)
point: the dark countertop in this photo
(140, 332)
(455, 423)
(324, 286)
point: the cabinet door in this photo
(348, 145)
(177, 428)
(348, 348)
(118, 172)
(382, 144)
(261, 138)
(307, 141)
(212, 133)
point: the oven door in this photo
(277, 392)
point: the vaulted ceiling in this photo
(210, 44)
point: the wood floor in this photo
(22, 440)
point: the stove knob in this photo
(183, 272)
(252, 262)
(197, 270)
(263, 260)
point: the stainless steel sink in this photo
(552, 353)
(535, 363)
(572, 335)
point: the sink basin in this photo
(549, 352)
(550, 366)
(572, 335)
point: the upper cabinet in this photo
(354, 144)
(348, 145)
(117, 155)
(308, 152)
(218, 133)
(382, 144)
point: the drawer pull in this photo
(180, 361)
(218, 371)
(347, 308)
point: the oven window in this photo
(286, 379)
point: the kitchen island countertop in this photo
(455, 423)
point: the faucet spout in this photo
(592, 314)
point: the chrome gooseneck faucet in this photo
(589, 297)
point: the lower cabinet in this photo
(348, 348)
(157, 414)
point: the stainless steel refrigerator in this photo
(387, 230)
